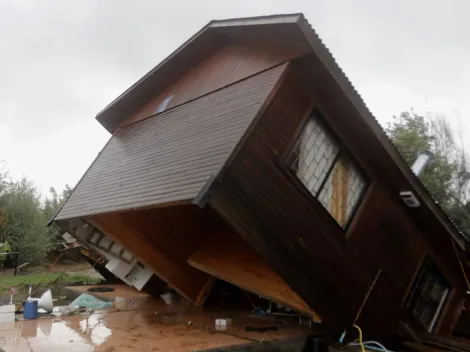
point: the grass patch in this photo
(7, 282)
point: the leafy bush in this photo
(24, 224)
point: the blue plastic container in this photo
(30, 310)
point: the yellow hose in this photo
(360, 338)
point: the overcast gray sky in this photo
(62, 61)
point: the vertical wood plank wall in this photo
(329, 268)
(229, 64)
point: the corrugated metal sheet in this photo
(169, 157)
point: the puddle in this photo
(96, 328)
(53, 335)
(135, 330)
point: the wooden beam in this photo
(229, 258)
(164, 239)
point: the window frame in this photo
(92, 234)
(107, 249)
(116, 253)
(161, 107)
(438, 315)
(121, 256)
(343, 151)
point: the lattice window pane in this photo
(357, 186)
(342, 191)
(316, 160)
(313, 155)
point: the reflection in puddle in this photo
(46, 327)
(141, 330)
(100, 334)
(74, 334)
(61, 331)
(94, 327)
(8, 332)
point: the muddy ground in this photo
(149, 328)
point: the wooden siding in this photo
(226, 256)
(227, 65)
(164, 239)
(330, 269)
(170, 157)
(158, 79)
(262, 32)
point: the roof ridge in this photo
(255, 18)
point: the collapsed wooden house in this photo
(248, 156)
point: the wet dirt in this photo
(108, 332)
(134, 330)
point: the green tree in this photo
(52, 204)
(24, 224)
(3, 188)
(447, 176)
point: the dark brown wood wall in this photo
(226, 256)
(225, 66)
(329, 268)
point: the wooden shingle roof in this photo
(169, 157)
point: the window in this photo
(324, 169)
(116, 249)
(127, 256)
(428, 295)
(105, 242)
(162, 106)
(95, 238)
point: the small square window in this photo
(105, 242)
(162, 106)
(428, 295)
(116, 249)
(95, 238)
(127, 256)
(324, 169)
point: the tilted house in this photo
(248, 156)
